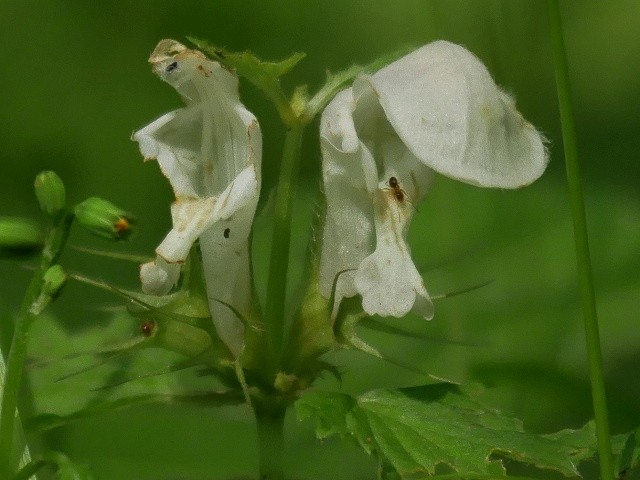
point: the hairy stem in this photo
(54, 244)
(587, 290)
(279, 260)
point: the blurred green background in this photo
(76, 84)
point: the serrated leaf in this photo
(329, 411)
(263, 75)
(415, 429)
(626, 448)
(246, 62)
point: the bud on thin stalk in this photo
(50, 192)
(103, 218)
(53, 280)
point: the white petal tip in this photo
(158, 277)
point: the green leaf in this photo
(263, 75)
(626, 448)
(246, 63)
(329, 410)
(416, 429)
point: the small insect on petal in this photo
(227, 232)
(398, 193)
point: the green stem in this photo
(270, 425)
(279, 261)
(581, 244)
(17, 352)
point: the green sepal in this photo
(52, 282)
(179, 322)
(310, 336)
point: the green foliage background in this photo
(76, 84)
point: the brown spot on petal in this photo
(204, 71)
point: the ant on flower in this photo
(398, 193)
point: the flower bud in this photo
(19, 236)
(50, 192)
(53, 281)
(103, 218)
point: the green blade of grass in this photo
(585, 275)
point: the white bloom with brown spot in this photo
(210, 151)
(436, 109)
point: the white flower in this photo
(436, 109)
(210, 151)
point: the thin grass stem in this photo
(585, 276)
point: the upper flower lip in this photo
(444, 105)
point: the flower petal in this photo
(158, 277)
(348, 235)
(444, 105)
(201, 147)
(210, 151)
(387, 279)
(352, 131)
(191, 217)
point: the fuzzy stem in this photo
(15, 361)
(279, 261)
(270, 425)
(587, 290)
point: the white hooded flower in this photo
(436, 109)
(210, 151)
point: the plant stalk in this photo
(54, 244)
(280, 245)
(270, 425)
(585, 275)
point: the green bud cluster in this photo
(50, 192)
(103, 218)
